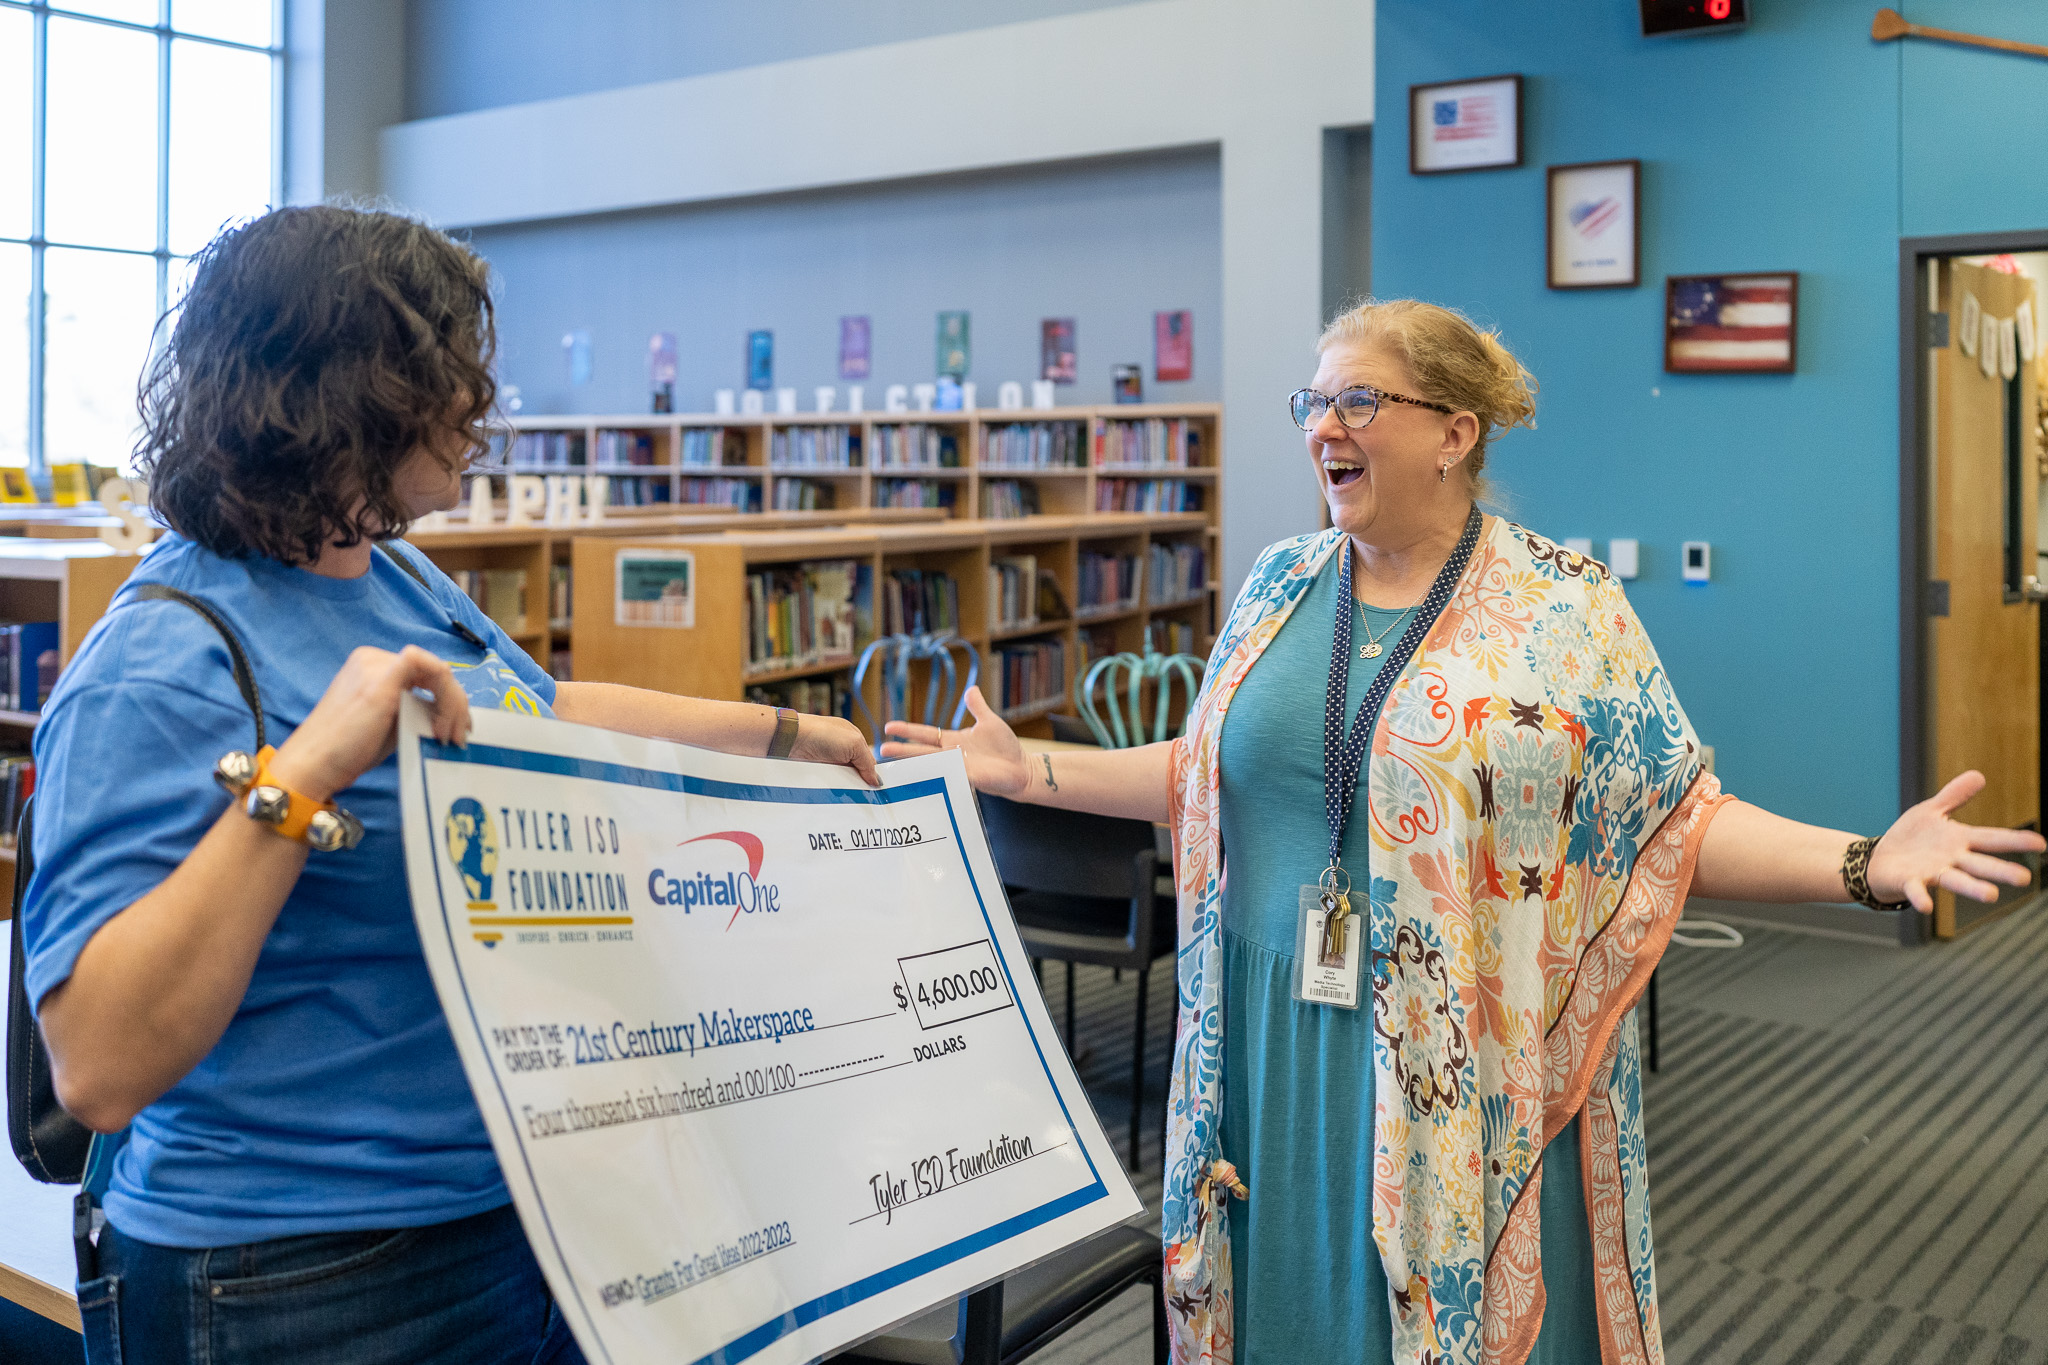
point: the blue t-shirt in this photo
(335, 1101)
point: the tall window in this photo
(130, 132)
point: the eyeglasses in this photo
(1356, 407)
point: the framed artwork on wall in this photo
(1465, 125)
(1717, 324)
(1593, 225)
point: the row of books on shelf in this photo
(1012, 592)
(1170, 637)
(1033, 445)
(641, 492)
(804, 614)
(919, 602)
(1163, 442)
(742, 495)
(812, 696)
(709, 447)
(1029, 674)
(558, 592)
(498, 593)
(823, 447)
(1107, 581)
(28, 653)
(1008, 499)
(915, 445)
(552, 449)
(913, 493)
(1147, 495)
(17, 784)
(1175, 572)
(803, 495)
(624, 448)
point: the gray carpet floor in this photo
(1848, 1149)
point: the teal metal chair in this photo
(1118, 722)
(945, 697)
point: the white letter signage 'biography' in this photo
(756, 1045)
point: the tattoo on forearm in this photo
(1049, 782)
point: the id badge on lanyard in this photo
(1328, 947)
(1330, 938)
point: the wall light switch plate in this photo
(1579, 545)
(1622, 556)
(1696, 561)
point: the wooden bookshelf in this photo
(709, 658)
(870, 480)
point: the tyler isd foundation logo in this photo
(473, 848)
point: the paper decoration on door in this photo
(2023, 322)
(1987, 346)
(2008, 349)
(1968, 319)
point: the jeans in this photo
(462, 1293)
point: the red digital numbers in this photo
(1719, 9)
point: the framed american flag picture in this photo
(1465, 125)
(1593, 225)
(1745, 324)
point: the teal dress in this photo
(1297, 1079)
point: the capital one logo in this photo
(740, 888)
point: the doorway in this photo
(1972, 561)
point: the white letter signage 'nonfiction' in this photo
(757, 1046)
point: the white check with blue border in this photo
(753, 1042)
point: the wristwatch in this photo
(321, 825)
(785, 733)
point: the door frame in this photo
(1915, 553)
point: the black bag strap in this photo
(245, 677)
(405, 562)
(462, 632)
(50, 1145)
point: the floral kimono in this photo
(1537, 801)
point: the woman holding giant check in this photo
(239, 982)
(1405, 1122)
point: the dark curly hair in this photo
(316, 349)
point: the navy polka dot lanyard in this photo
(1344, 754)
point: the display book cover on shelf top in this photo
(747, 1021)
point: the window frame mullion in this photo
(38, 329)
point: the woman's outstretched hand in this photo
(1925, 849)
(995, 760)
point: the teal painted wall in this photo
(1797, 144)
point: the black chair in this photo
(1071, 729)
(1084, 889)
(1013, 1319)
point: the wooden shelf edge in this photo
(800, 671)
(47, 1300)
(28, 718)
(1032, 710)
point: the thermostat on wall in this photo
(1696, 561)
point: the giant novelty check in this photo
(756, 1045)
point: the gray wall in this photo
(465, 55)
(1107, 243)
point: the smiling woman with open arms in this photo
(307, 1177)
(1418, 1136)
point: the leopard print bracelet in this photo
(1856, 876)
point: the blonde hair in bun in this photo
(1454, 361)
